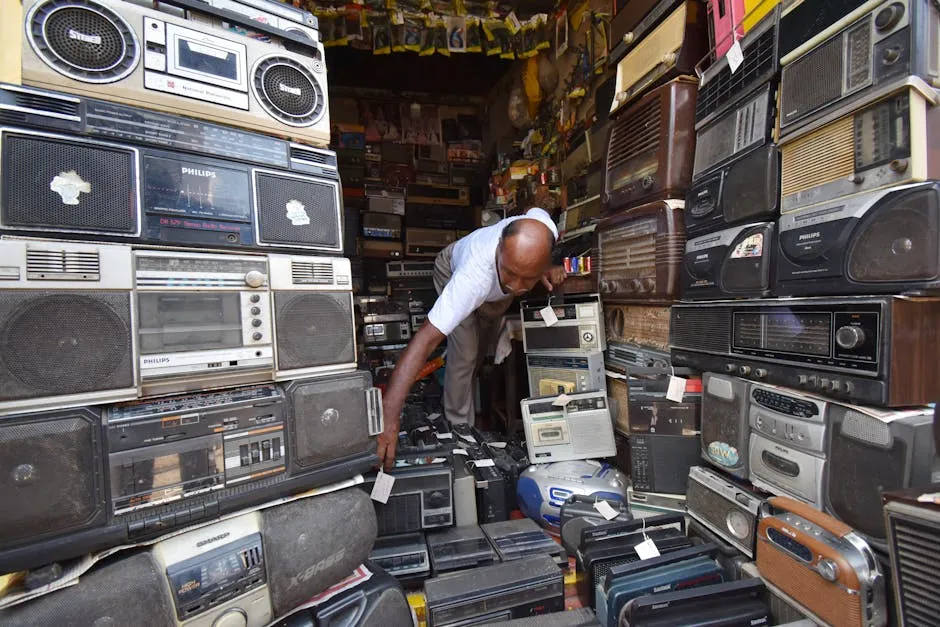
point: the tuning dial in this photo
(670, 58)
(437, 499)
(607, 287)
(891, 55)
(232, 618)
(255, 279)
(828, 569)
(635, 285)
(628, 38)
(588, 337)
(649, 285)
(898, 165)
(647, 183)
(744, 371)
(889, 16)
(850, 337)
(254, 311)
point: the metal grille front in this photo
(915, 554)
(298, 212)
(402, 514)
(288, 91)
(760, 62)
(700, 328)
(313, 329)
(811, 81)
(52, 183)
(57, 342)
(823, 156)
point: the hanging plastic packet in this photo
(474, 35)
(376, 5)
(542, 33)
(499, 38)
(381, 33)
(413, 26)
(427, 39)
(397, 30)
(440, 36)
(456, 33)
(526, 40)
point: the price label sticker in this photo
(512, 22)
(647, 549)
(383, 487)
(735, 57)
(483, 463)
(422, 429)
(548, 315)
(605, 510)
(676, 389)
(445, 436)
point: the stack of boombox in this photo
(171, 349)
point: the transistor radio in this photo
(881, 241)
(381, 225)
(671, 49)
(579, 427)
(823, 563)
(633, 22)
(422, 498)
(385, 199)
(737, 262)
(564, 373)
(643, 325)
(892, 141)
(872, 350)
(439, 194)
(159, 61)
(746, 189)
(870, 47)
(725, 508)
(634, 359)
(649, 152)
(578, 330)
(427, 242)
(640, 253)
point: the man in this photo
(477, 279)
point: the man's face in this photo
(516, 278)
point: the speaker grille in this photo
(725, 421)
(752, 186)
(746, 126)
(298, 211)
(899, 242)
(56, 343)
(811, 81)
(50, 473)
(402, 514)
(66, 185)
(701, 328)
(313, 329)
(288, 91)
(330, 419)
(760, 60)
(915, 556)
(83, 40)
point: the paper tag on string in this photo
(468, 438)
(422, 429)
(647, 549)
(735, 57)
(460, 451)
(382, 487)
(483, 463)
(562, 400)
(676, 389)
(497, 444)
(445, 436)
(605, 510)
(548, 315)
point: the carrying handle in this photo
(827, 522)
(347, 613)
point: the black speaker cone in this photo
(288, 91)
(313, 329)
(83, 40)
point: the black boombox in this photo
(79, 167)
(737, 262)
(91, 479)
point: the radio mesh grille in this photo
(288, 91)
(818, 158)
(811, 81)
(300, 212)
(70, 264)
(65, 185)
(634, 133)
(402, 514)
(705, 504)
(916, 548)
(58, 342)
(742, 128)
(759, 58)
(701, 328)
(637, 324)
(311, 273)
(725, 421)
(313, 329)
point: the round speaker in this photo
(64, 343)
(314, 329)
(82, 40)
(288, 90)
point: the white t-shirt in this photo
(474, 279)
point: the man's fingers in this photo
(548, 284)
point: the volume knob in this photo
(255, 278)
(670, 58)
(628, 38)
(850, 337)
(828, 569)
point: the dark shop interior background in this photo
(222, 223)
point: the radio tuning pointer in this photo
(255, 279)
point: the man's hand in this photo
(555, 275)
(387, 444)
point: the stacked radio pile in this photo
(172, 353)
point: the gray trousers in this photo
(466, 346)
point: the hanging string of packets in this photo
(431, 27)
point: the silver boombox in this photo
(568, 427)
(579, 328)
(724, 508)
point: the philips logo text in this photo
(209, 174)
(806, 236)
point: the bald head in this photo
(525, 253)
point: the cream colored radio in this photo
(891, 141)
(672, 49)
(126, 53)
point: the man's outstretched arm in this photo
(409, 364)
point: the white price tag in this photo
(735, 57)
(605, 510)
(445, 436)
(562, 400)
(498, 444)
(460, 451)
(548, 315)
(422, 429)
(383, 487)
(647, 549)
(434, 416)
(483, 463)
(468, 438)
(676, 389)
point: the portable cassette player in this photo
(578, 328)
(737, 262)
(578, 429)
(170, 64)
(640, 253)
(868, 349)
(866, 49)
(671, 49)
(888, 142)
(564, 373)
(649, 151)
(881, 241)
(643, 325)
(121, 172)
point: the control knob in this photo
(744, 371)
(827, 569)
(889, 16)
(232, 618)
(255, 278)
(850, 337)
(670, 58)
(649, 285)
(628, 38)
